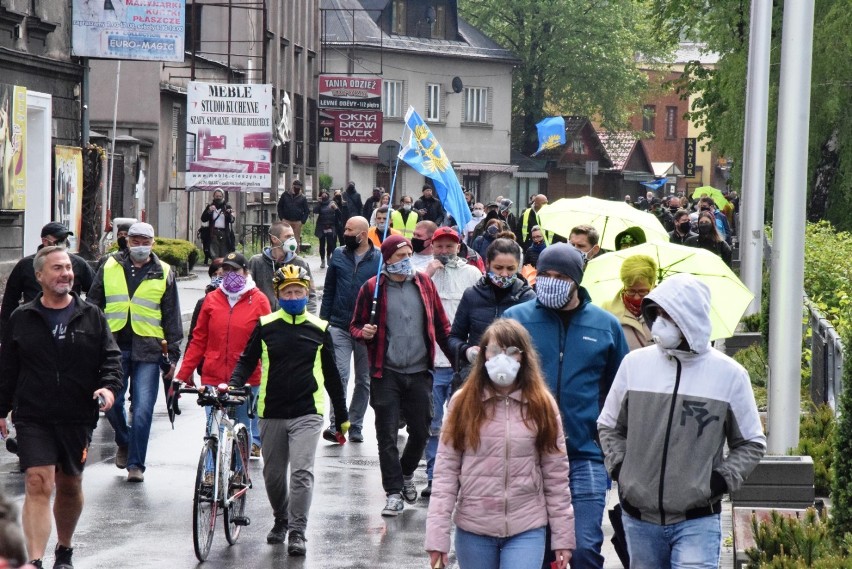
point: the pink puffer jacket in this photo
(505, 487)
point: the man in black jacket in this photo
(293, 208)
(373, 202)
(64, 349)
(350, 267)
(219, 216)
(683, 228)
(429, 207)
(22, 280)
(352, 199)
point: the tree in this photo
(724, 25)
(578, 57)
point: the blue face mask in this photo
(400, 268)
(293, 307)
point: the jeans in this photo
(144, 387)
(411, 394)
(441, 385)
(696, 544)
(522, 551)
(588, 483)
(290, 443)
(344, 348)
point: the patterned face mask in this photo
(401, 268)
(553, 293)
(502, 282)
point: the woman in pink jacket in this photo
(502, 463)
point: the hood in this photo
(687, 300)
(267, 253)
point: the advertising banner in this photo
(350, 92)
(13, 144)
(229, 137)
(68, 191)
(351, 126)
(689, 148)
(151, 30)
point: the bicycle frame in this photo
(221, 428)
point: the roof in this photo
(484, 167)
(362, 24)
(618, 146)
(666, 169)
(527, 164)
(688, 51)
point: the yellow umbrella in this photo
(713, 193)
(609, 217)
(729, 297)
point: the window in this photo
(649, 115)
(192, 30)
(475, 105)
(671, 122)
(439, 27)
(433, 102)
(398, 17)
(392, 99)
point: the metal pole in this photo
(754, 152)
(84, 107)
(108, 204)
(788, 243)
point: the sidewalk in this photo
(190, 290)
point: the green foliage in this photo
(791, 543)
(816, 435)
(751, 323)
(754, 360)
(828, 272)
(577, 57)
(841, 487)
(181, 255)
(325, 181)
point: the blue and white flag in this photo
(655, 184)
(551, 133)
(425, 155)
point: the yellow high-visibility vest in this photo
(406, 227)
(525, 233)
(146, 318)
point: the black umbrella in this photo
(170, 387)
(619, 540)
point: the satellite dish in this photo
(457, 85)
(388, 152)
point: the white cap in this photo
(141, 229)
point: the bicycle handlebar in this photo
(224, 396)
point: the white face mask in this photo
(666, 334)
(502, 370)
(140, 253)
(478, 213)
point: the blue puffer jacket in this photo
(579, 363)
(343, 280)
(479, 308)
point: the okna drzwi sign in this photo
(351, 108)
(229, 136)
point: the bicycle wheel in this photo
(238, 484)
(204, 505)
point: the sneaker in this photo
(322, 264)
(36, 563)
(255, 451)
(394, 505)
(409, 490)
(278, 532)
(426, 492)
(330, 435)
(355, 436)
(63, 557)
(296, 544)
(121, 457)
(135, 475)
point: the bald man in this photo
(529, 219)
(350, 266)
(421, 243)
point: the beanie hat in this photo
(391, 244)
(562, 258)
(631, 237)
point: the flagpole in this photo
(385, 233)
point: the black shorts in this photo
(63, 445)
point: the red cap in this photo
(446, 232)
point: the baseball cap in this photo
(141, 229)
(56, 229)
(236, 260)
(446, 232)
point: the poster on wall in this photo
(229, 132)
(68, 191)
(149, 30)
(13, 142)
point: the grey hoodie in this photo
(262, 268)
(669, 414)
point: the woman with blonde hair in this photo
(638, 277)
(502, 464)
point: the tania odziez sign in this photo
(229, 136)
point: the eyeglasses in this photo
(494, 350)
(640, 293)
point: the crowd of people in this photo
(481, 342)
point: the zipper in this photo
(506, 474)
(666, 444)
(563, 337)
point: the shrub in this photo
(325, 181)
(791, 543)
(841, 486)
(751, 323)
(180, 254)
(816, 432)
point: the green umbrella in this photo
(609, 217)
(713, 193)
(729, 296)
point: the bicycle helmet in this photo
(291, 274)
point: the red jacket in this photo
(437, 325)
(221, 334)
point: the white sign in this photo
(230, 126)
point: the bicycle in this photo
(223, 479)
